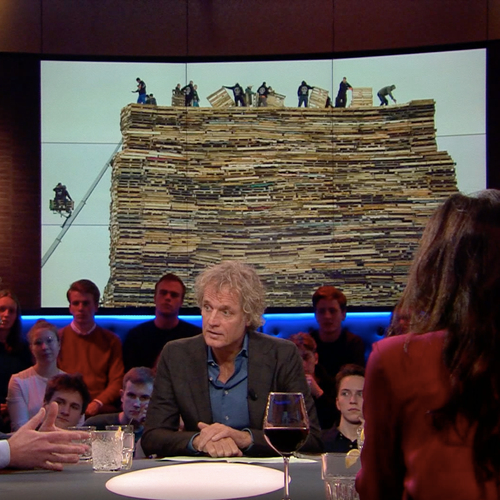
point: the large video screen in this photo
(81, 102)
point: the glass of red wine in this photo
(286, 426)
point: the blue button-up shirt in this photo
(229, 400)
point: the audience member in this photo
(135, 396)
(144, 342)
(336, 346)
(431, 399)
(218, 382)
(93, 351)
(349, 381)
(321, 384)
(15, 355)
(48, 448)
(27, 388)
(72, 397)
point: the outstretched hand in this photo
(47, 448)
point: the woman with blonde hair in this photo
(27, 388)
(432, 396)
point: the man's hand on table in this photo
(219, 440)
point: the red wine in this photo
(286, 440)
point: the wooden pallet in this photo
(178, 100)
(275, 100)
(220, 99)
(362, 96)
(318, 97)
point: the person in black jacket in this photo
(341, 99)
(188, 91)
(262, 92)
(303, 93)
(238, 93)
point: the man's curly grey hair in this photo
(240, 278)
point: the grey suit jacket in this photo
(182, 390)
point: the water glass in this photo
(128, 443)
(107, 450)
(85, 428)
(339, 479)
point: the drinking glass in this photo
(107, 449)
(84, 457)
(286, 427)
(128, 443)
(339, 476)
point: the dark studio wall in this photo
(193, 29)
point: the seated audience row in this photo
(84, 347)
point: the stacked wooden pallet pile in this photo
(308, 196)
(362, 96)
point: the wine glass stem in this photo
(286, 460)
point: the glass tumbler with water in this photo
(339, 476)
(128, 443)
(107, 450)
(84, 457)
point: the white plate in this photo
(197, 481)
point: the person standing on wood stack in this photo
(249, 95)
(303, 93)
(188, 91)
(262, 92)
(384, 92)
(141, 90)
(341, 99)
(238, 94)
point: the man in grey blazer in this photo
(218, 382)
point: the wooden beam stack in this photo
(308, 196)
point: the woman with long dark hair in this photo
(432, 397)
(15, 355)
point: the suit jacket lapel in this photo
(198, 382)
